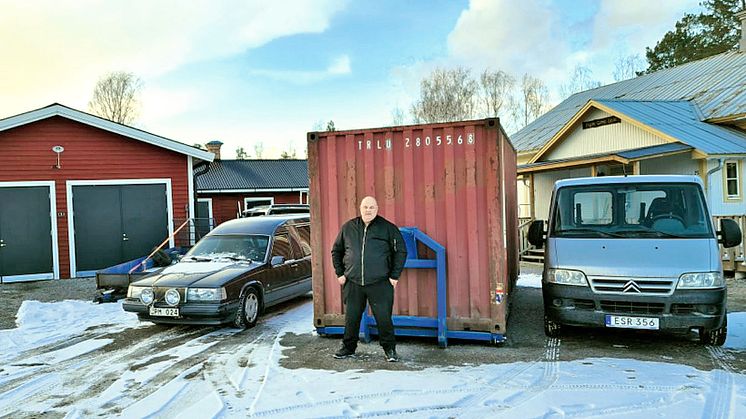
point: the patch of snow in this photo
(736, 331)
(529, 280)
(197, 267)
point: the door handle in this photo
(2, 243)
(124, 237)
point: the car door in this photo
(280, 275)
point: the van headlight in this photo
(566, 277)
(206, 294)
(701, 280)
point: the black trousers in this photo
(380, 295)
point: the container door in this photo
(25, 234)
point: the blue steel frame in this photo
(415, 325)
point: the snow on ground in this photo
(247, 379)
(529, 280)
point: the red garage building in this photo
(79, 193)
(229, 187)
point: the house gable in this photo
(596, 133)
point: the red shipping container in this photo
(456, 182)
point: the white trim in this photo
(246, 200)
(53, 215)
(106, 125)
(727, 194)
(70, 216)
(300, 196)
(190, 184)
(264, 190)
(209, 206)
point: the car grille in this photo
(683, 308)
(631, 307)
(627, 286)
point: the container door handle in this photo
(2, 243)
(124, 237)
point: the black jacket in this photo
(382, 245)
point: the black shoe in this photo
(343, 353)
(391, 355)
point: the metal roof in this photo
(681, 120)
(254, 175)
(717, 85)
(56, 109)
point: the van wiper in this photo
(589, 230)
(649, 232)
(197, 258)
(236, 258)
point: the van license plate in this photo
(165, 312)
(627, 322)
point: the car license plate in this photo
(163, 311)
(627, 322)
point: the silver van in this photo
(637, 252)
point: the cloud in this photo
(55, 51)
(338, 67)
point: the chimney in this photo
(214, 147)
(742, 16)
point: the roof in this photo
(717, 85)
(56, 109)
(624, 157)
(266, 224)
(602, 180)
(229, 176)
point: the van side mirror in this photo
(277, 260)
(536, 234)
(730, 233)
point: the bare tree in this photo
(318, 125)
(330, 126)
(289, 153)
(199, 146)
(116, 97)
(445, 95)
(241, 154)
(496, 92)
(580, 80)
(533, 99)
(259, 149)
(628, 67)
(398, 116)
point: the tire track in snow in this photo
(720, 399)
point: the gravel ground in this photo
(13, 294)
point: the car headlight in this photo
(206, 294)
(134, 291)
(701, 280)
(172, 297)
(147, 296)
(566, 277)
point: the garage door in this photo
(25, 234)
(117, 223)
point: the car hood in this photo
(634, 257)
(199, 274)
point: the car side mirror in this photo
(730, 233)
(536, 235)
(277, 260)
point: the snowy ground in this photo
(76, 359)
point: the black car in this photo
(231, 275)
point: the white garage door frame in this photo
(53, 218)
(70, 215)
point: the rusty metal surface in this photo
(455, 182)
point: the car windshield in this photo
(235, 247)
(642, 210)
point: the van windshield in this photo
(642, 210)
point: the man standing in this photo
(368, 257)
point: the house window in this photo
(732, 180)
(252, 202)
(303, 197)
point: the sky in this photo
(249, 72)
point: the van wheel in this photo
(714, 337)
(249, 307)
(552, 328)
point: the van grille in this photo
(631, 286)
(631, 307)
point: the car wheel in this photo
(716, 336)
(552, 328)
(248, 309)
